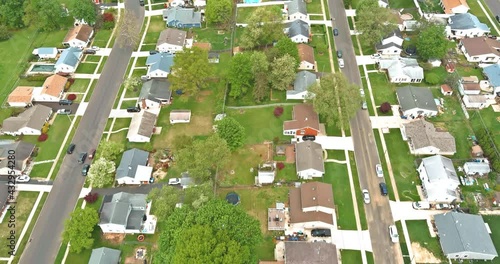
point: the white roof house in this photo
(296, 10)
(266, 173)
(402, 70)
(480, 168)
(142, 126)
(439, 179)
(309, 160)
(392, 44)
(46, 53)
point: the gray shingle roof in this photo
(298, 252)
(129, 162)
(172, 36)
(298, 27)
(105, 255)
(423, 134)
(122, 205)
(156, 90)
(459, 232)
(380, 46)
(23, 151)
(69, 56)
(440, 168)
(142, 124)
(184, 15)
(309, 156)
(466, 21)
(34, 117)
(297, 6)
(411, 97)
(303, 80)
(160, 61)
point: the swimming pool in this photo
(42, 69)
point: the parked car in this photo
(498, 18)
(85, 169)
(362, 92)
(335, 32)
(339, 54)
(321, 233)
(141, 2)
(366, 196)
(308, 137)
(133, 109)
(23, 178)
(380, 172)
(364, 105)
(174, 181)
(95, 48)
(383, 188)
(422, 205)
(442, 206)
(152, 52)
(71, 148)
(89, 51)
(65, 102)
(64, 112)
(375, 56)
(82, 157)
(341, 63)
(92, 154)
(393, 233)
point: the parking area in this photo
(55, 106)
(352, 240)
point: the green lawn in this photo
(86, 68)
(41, 170)
(288, 174)
(439, 71)
(91, 58)
(156, 24)
(431, 7)
(383, 90)
(141, 62)
(237, 171)
(102, 37)
(419, 233)
(314, 7)
(147, 47)
(79, 86)
(489, 117)
(322, 60)
(402, 4)
(244, 13)
(102, 64)
(220, 39)
(247, 99)
(351, 256)
(316, 17)
(128, 103)
(121, 123)
(493, 222)
(89, 94)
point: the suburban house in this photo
(309, 160)
(311, 206)
(173, 40)
(446, 89)
(454, 6)
(29, 122)
(480, 49)
(320, 252)
(303, 80)
(492, 73)
(180, 116)
(21, 96)
(475, 101)
(133, 168)
(424, 139)
(465, 26)
(306, 57)
(439, 179)
(159, 65)
(477, 168)
(266, 173)
(469, 85)
(45, 53)
(52, 89)
(155, 93)
(416, 102)
(392, 44)
(464, 236)
(305, 121)
(402, 70)
(297, 31)
(126, 213)
(213, 57)
(79, 36)
(142, 126)
(104, 255)
(180, 17)
(23, 151)
(296, 9)
(68, 61)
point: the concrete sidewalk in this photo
(338, 143)
(103, 52)
(365, 60)
(140, 53)
(33, 187)
(81, 109)
(86, 76)
(352, 240)
(120, 113)
(154, 13)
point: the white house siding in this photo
(390, 51)
(305, 65)
(179, 121)
(158, 74)
(165, 47)
(24, 131)
(486, 58)
(138, 138)
(297, 96)
(17, 104)
(150, 104)
(320, 209)
(47, 56)
(404, 79)
(470, 255)
(128, 180)
(468, 33)
(417, 111)
(77, 43)
(300, 39)
(429, 150)
(65, 68)
(46, 98)
(296, 16)
(307, 225)
(309, 174)
(112, 228)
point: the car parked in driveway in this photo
(379, 171)
(308, 137)
(65, 102)
(23, 178)
(133, 109)
(321, 232)
(174, 181)
(442, 206)
(89, 51)
(375, 56)
(366, 196)
(421, 205)
(85, 169)
(82, 157)
(64, 112)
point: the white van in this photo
(422, 205)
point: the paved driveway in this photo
(405, 211)
(353, 239)
(365, 60)
(338, 143)
(55, 106)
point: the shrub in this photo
(278, 111)
(280, 165)
(108, 17)
(91, 198)
(71, 81)
(385, 107)
(43, 137)
(71, 97)
(4, 33)
(276, 140)
(45, 129)
(108, 25)
(36, 78)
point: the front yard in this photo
(425, 247)
(86, 67)
(383, 90)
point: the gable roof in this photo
(411, 97)
(33, 117)
(180, 114)
(104, 255)
(316, 194)
(297, 6)
(22, 94)
(439, 168)
(306, 53)
(54, 85)
(301, 252)
(155, 89)
(303, 115)
(309, 156)
(142, 124)
(131, 159)
(422, 134)
(493, 74)
(450, 4)
(402, 66)
(172, 36)
(296, 208)
(119, 209)
(23, 151)
(481, 45)
(184, 15)
(81, 32)
(303, 80)
(466, 21)
(477, 167)
(69, 56)
(459, 232)
(297, 28)
(160, 61)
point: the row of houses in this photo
(52, 90)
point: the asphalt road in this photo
(494, 6)
(378, 212)
(46, 236)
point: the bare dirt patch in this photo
(263, 150)
(422, 255)
(115, 239)
(133, 260)
(203, 95)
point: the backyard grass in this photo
(383, 91)
(439, 71)
(492, 221)
(244, 13)
(314, 7)
(239, 169)
(41, 170)
(287, 174)
(490, 120)
(79, 86)
(220, 39)
(102, 37)
(247, 99)
(402, 4)
(429, 6)
(86, 68)
(419, 233)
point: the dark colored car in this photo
(71, 148)
(411, 50)
(335, 32)
(89, 51)
(321, 233)
(339, 54)
(498, 18)
(141, 2)
(82, 157)
(133, 109)
(152, 52)
(383, 188)
(65, 102)
(308, 137)
(92, 154)
(85, 169)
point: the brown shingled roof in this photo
(54, 85)
(80, 32)
(303, 116)
(22, 94)
(306, 53)
(481, 46)
(310, 195)
(471, 86)
(446, 88)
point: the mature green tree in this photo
(132, 83)
(432, 42)
(109, 150)
(264, 27)
(46, 15)
(129, 30)
(219, 12)
(190, 71)
(232, 132)
(203, 157)
(335, 92)
(101, 173)
(218, 233)
(83, 10)
(373, 22)
(287, 46)
(240, 74)
(4, 33)
(11, 13)
(164, 200)
(78, 229)
(197, 196)
(260, 69)
(282, 72)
